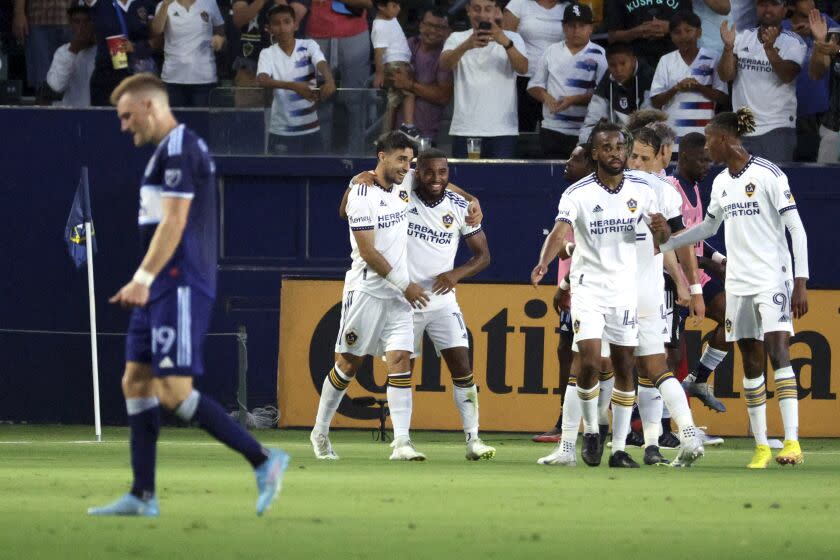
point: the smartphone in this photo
(484, 26)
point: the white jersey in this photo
(650, 266)
(756, 85)
(751, 205)
(384, 212)
(563, 74)
(433, 234)
(387, 34)
(688, 111)
(605, 224)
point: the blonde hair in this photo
(140, 83)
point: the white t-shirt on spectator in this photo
(188, 57)
(70, 74)
(756, 85)
(291, 114)
(562, 73)
(688, 111)
(539, 28)
(485, 88)
(387, 34)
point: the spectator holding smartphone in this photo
(486, 60)
(288, 67)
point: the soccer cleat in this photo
(791, 454)
(621, 460)
(129, 505)
(404, 450)
(559, 457)
(592, 450)
(322, 446)
(669, 441)
(691, 446)
(704, 393)
(477, 449)
(654, 457)
(635, 439)
(270, 478)
(551, 436)
(761, 457)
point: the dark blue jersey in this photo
(182, 167)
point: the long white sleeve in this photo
(707, 228)
(799, 242)
(61, 69)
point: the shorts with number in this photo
(653, 333)
(615, 325)
(753, 316)
(371, 326)
(169, 332)
(445, 327)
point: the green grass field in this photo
(364, 506)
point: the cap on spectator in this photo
(577, 12)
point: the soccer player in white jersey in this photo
(604, 210)
(657, 384)
(376, 317)
(763, 296)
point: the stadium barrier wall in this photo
(278, 217)
(513, 336)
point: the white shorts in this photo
(615, 325)
(653, 334)
(605, 348)
(371, 326)
(446, 329)
(752, 316)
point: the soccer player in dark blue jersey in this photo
(171, 296)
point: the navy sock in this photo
(702, 374)
(215, 421)
(666, 426)
(145, 427)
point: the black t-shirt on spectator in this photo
(138, 18)
(627, 14)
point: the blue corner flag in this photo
(74, 232)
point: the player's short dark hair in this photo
(667, 135)
(692, 141)
(686, 17)
(604, 127)
(620, 48)
(281, 9)
(647, 135)
(436, 12)
(394, 141)
(587, 150)
(739, 123)
(430, 154)
(78, 9)
(643, 117)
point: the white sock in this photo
(755, 393)
(571, 417)
(604, 397)
(712, 357)
(787, 394)
(588, 399)
(466, 399)
(650, 411)
(399, 403)
(622, 410)
(332, 391)
(673, 396)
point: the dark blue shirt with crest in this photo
(182, 167)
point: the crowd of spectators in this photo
(473, 72)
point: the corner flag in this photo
(74, 232)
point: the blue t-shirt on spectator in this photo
(811, 95)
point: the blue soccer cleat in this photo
(270, 478)
(129, 505)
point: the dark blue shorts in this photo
(566, 324)
(712, 288)
(169, 332)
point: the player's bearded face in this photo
(434, 176)
(397, 164)
(610, 152)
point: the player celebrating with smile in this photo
(753, 198)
